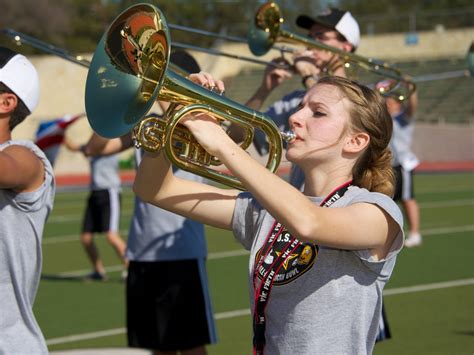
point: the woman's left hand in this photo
(204, 127)
(206, 80)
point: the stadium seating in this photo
(447, 100)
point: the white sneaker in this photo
(413, 240)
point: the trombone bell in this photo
(264, 29)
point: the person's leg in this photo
(413, 215)
(111, 221)
(118, 244)
(87, 241)
(106, 217)
(89, 226)
(412, 210)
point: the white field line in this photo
(240, 252)
(443, 189)
(442, 204)
(447, 230)
(85, 336)
(428, 287)
(245, 312)
(70, 238)
(430, 231)
(126, 213)
(211, 256)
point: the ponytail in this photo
(375, 173)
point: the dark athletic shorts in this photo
(384, 329)
(168, 305)
(102, 212)
(403, 184)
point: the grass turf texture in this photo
(435, 321)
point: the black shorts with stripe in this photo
(403, 184)
(168, 305)
(102, 212)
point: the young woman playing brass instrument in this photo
(316, 273)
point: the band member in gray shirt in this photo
(316, 274)
(168, 300)
(102, 214)
(26, 199)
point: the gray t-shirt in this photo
(324, 300)
(23, 216)
(159, 235)
(104, 172)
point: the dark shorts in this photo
(384, 329)
(168, 305)
(403, 184)
(102, 212)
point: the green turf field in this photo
(429, 300)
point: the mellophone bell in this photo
(129, 72)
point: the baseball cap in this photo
(341, 21)
(17, 72)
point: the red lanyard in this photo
(267, 276)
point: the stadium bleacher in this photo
(446, 100)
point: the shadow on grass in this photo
(80, 278)
(465, 332)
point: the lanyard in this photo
(262, 292)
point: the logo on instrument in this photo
(295, 264)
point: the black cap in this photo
(330, 19)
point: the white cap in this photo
(21, 77)
(349, 28)
(339, 20)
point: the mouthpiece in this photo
(288, 136)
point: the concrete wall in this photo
(444, 142)
(63, 86)
(439, 44)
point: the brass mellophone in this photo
(129, 72)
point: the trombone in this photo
(129, 72)
(468, 72)
(265, 30)
(19, 38)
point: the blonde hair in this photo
(368, 113)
